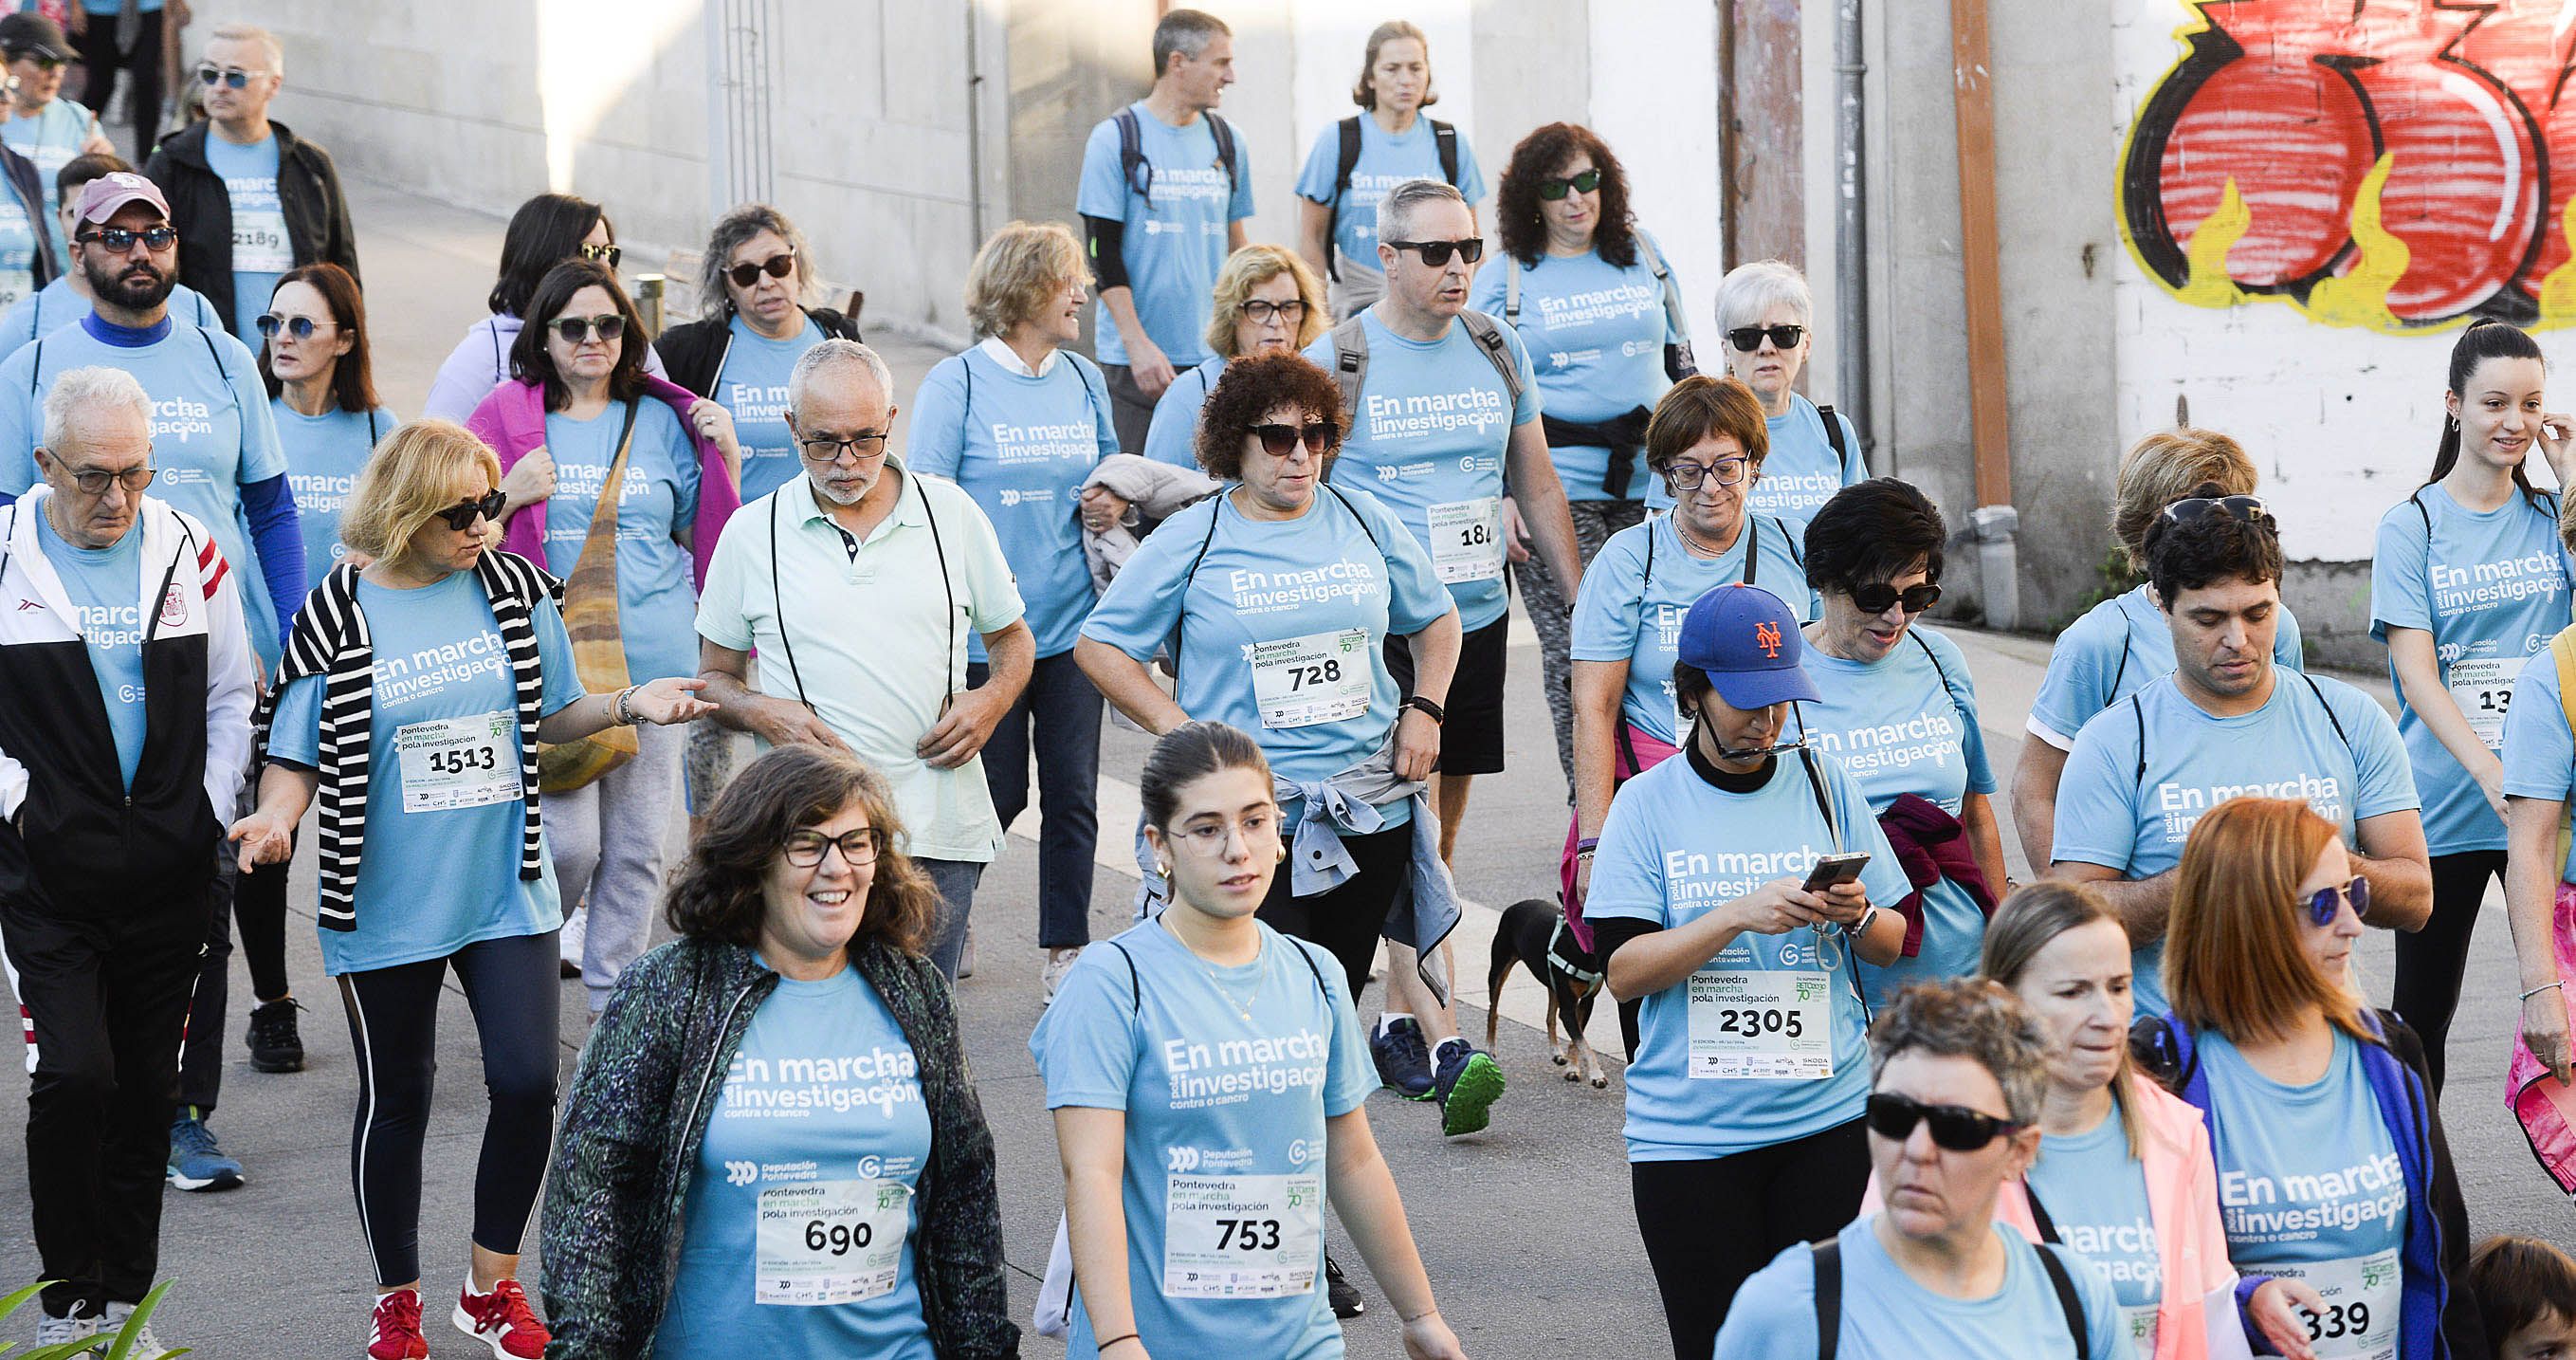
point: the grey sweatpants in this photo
(607, 843)
(1550, 616)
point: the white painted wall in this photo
(1654, 100)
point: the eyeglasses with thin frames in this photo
(805, 849)
(2324, 903)
(1259, 312)
(94, 481)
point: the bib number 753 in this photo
(1247, 1234)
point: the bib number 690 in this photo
(840, 1239)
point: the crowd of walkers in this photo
(1880, 1098)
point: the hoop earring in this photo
(1162, 868)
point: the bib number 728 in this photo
(1247, 1234)
(1299, 677)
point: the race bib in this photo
(259, 229)
(2362, 1296)
(2483, 688)
(1318, 678)
(2140, 1319)
(824, 1242)
(1242, 1237)
(450, 763)
(1760, 1024)
(1467, 540)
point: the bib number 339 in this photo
(2362, 1295)
(1242, 1237)
(826, 1242)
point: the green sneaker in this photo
(1467, 1081)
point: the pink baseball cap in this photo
(102, 197)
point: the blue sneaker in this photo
(1403, 1058)
(1469, 1082)
(197, 1162)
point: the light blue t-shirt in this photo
(1885, 1313)
(819, 1135)
(212, 434)
(261, 250)
(1174, 245)
(106, 590)
(1226, 1077)
(2096, 1194)
(51, 140)
(1387, 159)
(2112, 814)
(1596, 334)
(1772, 1050)
(1174, 436)
(657, 597)
(1643, 581)
(1898, 728)
(17, 252)
(55, 306)
(2492, 590)
(440, 869)
(2539, 754)
(110, 8)
(1283, 620)
(1021, 447)
(2308, 1177)
(324, 455)
(1432, 424)
(753, 387)
(2117, 648)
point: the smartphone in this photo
(1832, 869)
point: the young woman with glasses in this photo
(1766, 329)
(2333, 1173)
(684, 1218)
(1019, 421)
(443, 663)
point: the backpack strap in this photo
(1511, 289)
(1444, 140)
(2039, 1217)
(1347, 160)
(2067, 1300)
(1828, 1256)
(1350, 364)
(2414, 498)
(1488, 335)
(2340, 734)
(1834, 436)
(2139, 712)
(2121, 670)
(1132, 166)
(1135, 982)
(1678, 317)
(1184, 589)
(1795, 555)
(1223, 132)
(1355, 514)
(1946, 687)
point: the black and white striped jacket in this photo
(330, 639)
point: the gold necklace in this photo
(1243, 1007)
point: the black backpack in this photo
(1140, 176)
(1444, 138)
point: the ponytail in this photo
(2483, 340)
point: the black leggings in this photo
(1346, 920)
(1709, 1225)
(2431, 961)
(393, 1022)
(259, 918)
(140, 62)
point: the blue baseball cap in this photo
(1747, 640)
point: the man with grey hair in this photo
(251, 200)
(122, 747)
(867, 654)
(1164, 193)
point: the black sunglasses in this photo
(1583, 183)
(301, 327)
(2325, 902)
(2242, 509)
(119, 240)
(45, 61)
(1875, 597)
(607, 255)
(746, 274)
(576, 329)
(1955, 1127)
(461, 516)
(1749, 338)
(1436, 253)
(1279, 440)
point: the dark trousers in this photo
(201, 1061)
(107, 1000)
(1347, 920)
(2431, 961)
(1130, 410)
(259, 917)
(1708, 1225)
(141, 60)
(393, 1025)
(1064, 709)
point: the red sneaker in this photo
(396, 1335)
(502, 1320)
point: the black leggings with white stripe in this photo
(393, 1023)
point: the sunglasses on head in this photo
(1279, 440)
(1582, 183)
(119, 240)
(1955, 1127)
(211, 75)
(2242, 509)
(1875, 597)
(301, 327)
(607, 255)
(746, 274)
(462, 515)
(576, 329)
(1436, 253)
(2325, 902)
(1749, 338)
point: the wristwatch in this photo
(1861, 927)
(1429, 709)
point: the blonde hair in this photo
(1020, 268)
(1249, 268)
(2233, 958)
(2030, 917)
(2168, 466)
(412, 476)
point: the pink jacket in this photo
(513, 421)
(2182, 1199)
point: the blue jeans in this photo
(954, 880)
(1066, 713)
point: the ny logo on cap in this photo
(1767, 637)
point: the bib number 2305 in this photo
(1760, 1024)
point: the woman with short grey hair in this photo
(1958, 1073)
(1765, 329)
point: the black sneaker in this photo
(1347, 1302)
(1468, 1083)
(274, 1044)
(1403, 1059)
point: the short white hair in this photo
(1395, 211)
(90, 391)
(835, 354)
(254, 33)
(1749, 290)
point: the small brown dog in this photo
(1533, 934)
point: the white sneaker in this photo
(55, 1331)
(143, 1345)
(1051, 974)
(569, 943)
